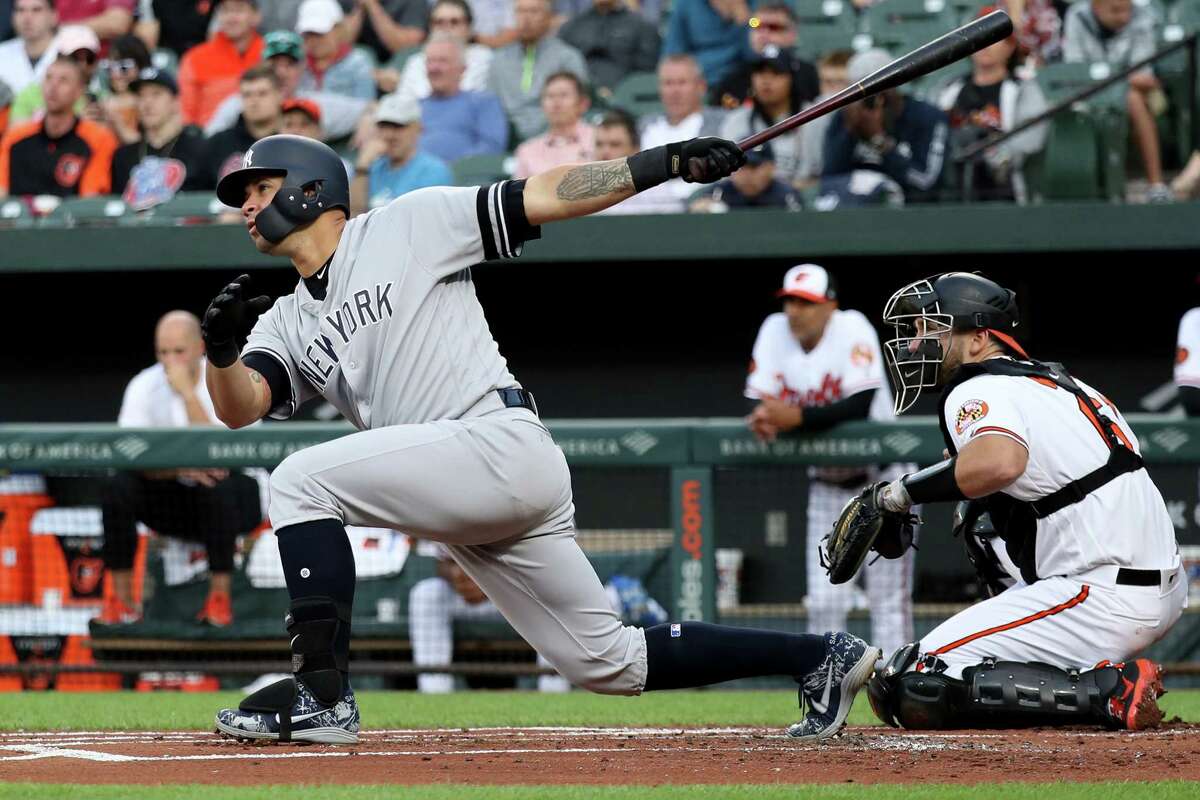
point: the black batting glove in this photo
(709, 159)
(228, 321)
(701, 160)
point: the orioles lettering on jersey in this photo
(346, 321)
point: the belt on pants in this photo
(513, 397)
(1127, 576)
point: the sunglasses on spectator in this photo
(773, 27)
(119, 65)
(446, 22)
(84, 57)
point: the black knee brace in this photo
(313, 623)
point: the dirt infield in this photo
(607, 756)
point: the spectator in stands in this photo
(889, 134)
(80, 43)
(831, 71)
(301, 118)
(212, 506)
(495, 23)
(458, 123)
(127, 57)
(169, 157)
(433, 606)
(6, 99)
(713, 32)
(391, 164)
(774, 96)
(1038, 29)
(284, 52)
(108, 19)
(1121, 34)
(569, 139)
(210, 72)
(773, 25)
(520, 70)
(333, 66)
(175, 25)
(992, 100)
(614, 40)
(682, 88)
(752, 186)
(281, 15)
(832, 75)
(262, 114)
(60, 153)
(24, 58)
(452, 18)
(387, 26)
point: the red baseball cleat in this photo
(1134, 704)
(218, 610)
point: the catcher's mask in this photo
(924, 313)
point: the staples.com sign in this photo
(690, 602)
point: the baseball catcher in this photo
(1067, 531)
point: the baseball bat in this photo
(947, 49)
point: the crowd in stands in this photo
(145, 98)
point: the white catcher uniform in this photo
(1076, 614)
(400, 346)
(845, 361)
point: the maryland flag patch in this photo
(968, 414)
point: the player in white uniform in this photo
(1187, 362)
(815, 365)
(1088, 545)
(385, 325)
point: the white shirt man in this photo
(24, 58)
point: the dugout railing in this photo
(655, 500)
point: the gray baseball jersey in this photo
(400, 336)
(400, 346)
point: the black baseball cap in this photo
(157, 76)
(760, 155)
(774, 57)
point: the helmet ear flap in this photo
(291, 207)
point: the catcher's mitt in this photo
(863, 525)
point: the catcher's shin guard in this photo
(992, 694)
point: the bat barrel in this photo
(947, 49)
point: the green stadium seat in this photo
(637, 93)
(1069, 166)
(165, 60)
(1107, 110)
(480, 170)
(85, 210)
(191, 204)
(824, 26)
(903, 25)
(14, 212)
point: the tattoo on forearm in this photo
(589, 181)
(254, 376)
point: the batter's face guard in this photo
(314, 181)
(915, 353)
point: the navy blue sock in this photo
(702, 654)
(318, 562)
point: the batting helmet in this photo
(923, 311)
(314, 181)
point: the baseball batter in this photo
(815, 365)
(1089, 549)
(385, 325)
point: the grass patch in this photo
(168, 711)
(1164, 790)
